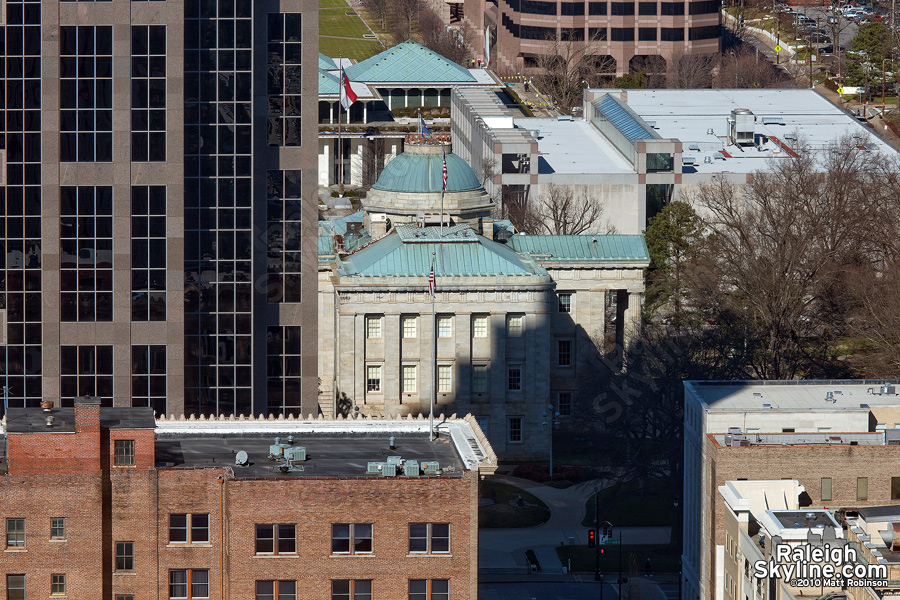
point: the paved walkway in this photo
(504, 549)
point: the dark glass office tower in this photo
(148, 258)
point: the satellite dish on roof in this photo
(241, 458)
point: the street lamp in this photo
(554, 421)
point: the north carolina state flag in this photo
(348, 97)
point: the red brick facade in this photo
(73, 475)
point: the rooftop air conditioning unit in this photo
(430, 467)
(388, 470)
(411, 468)
(295, 453)
(888, 389)
(374, 468)
(394, 460)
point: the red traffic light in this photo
(592, 538)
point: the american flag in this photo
(431, 286)
(444, 158)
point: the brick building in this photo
(106, 503)
(839, 439)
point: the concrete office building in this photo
(636, 150)
(618, 35)
(156, 190)
(839, 439)
(106, 503)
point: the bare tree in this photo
(556, 210)
(567, 68)
(380, 9)
(743, 68)
(690, 71)
(565, 210)
(406, 11)
(453, 44)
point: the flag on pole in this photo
(431, 284)
(444, 160)
(423, 128)
(348, 96)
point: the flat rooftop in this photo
(804, 519)
(876, 514)
(750, 440)
(34, 420)
(574, 147)
(333, 448)
(327, 455)
(785, 117)
(853, 394)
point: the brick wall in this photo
(133, 504)
(807, 464)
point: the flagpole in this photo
(433, 289)
(340, 145)
(443, 184)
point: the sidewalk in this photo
(504, 549)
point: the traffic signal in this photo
(602, 550)
(592, 538)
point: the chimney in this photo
(87, 413)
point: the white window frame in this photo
(441, 387)
(559, 403)
(445, 320)
(374, 327)
(571, 353)
(570, 306)
(521, 370)
(409, 327)
(509, 429)
(409, 389)
(515, 326)
(380, 378)
(479, 326)
(483, 388)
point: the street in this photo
(546, 591)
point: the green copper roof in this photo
(630, 248)
(460, 253)
(326, 63)
(328, 83)
(408, 62)
(422, 173)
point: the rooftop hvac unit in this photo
(741, 126)
(394, 460)
(295, 453)
(277, 449)
(411, 468)
(734, 430)
(388, 470)
(374, 468)
(688, 160)
(888, 389)
(430, 467)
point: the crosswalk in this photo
(670, 590)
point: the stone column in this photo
(632, 319)
(391, 371)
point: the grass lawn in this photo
(626, 505)
(502, 514)
(335, 21)
(634, 559)
(358, 49)
(333, 4)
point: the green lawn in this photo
(333, 4)
(502, 514)
(358, 49)
(634, 559)
(335, 21)
(626, 505)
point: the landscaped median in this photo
(506, 506)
